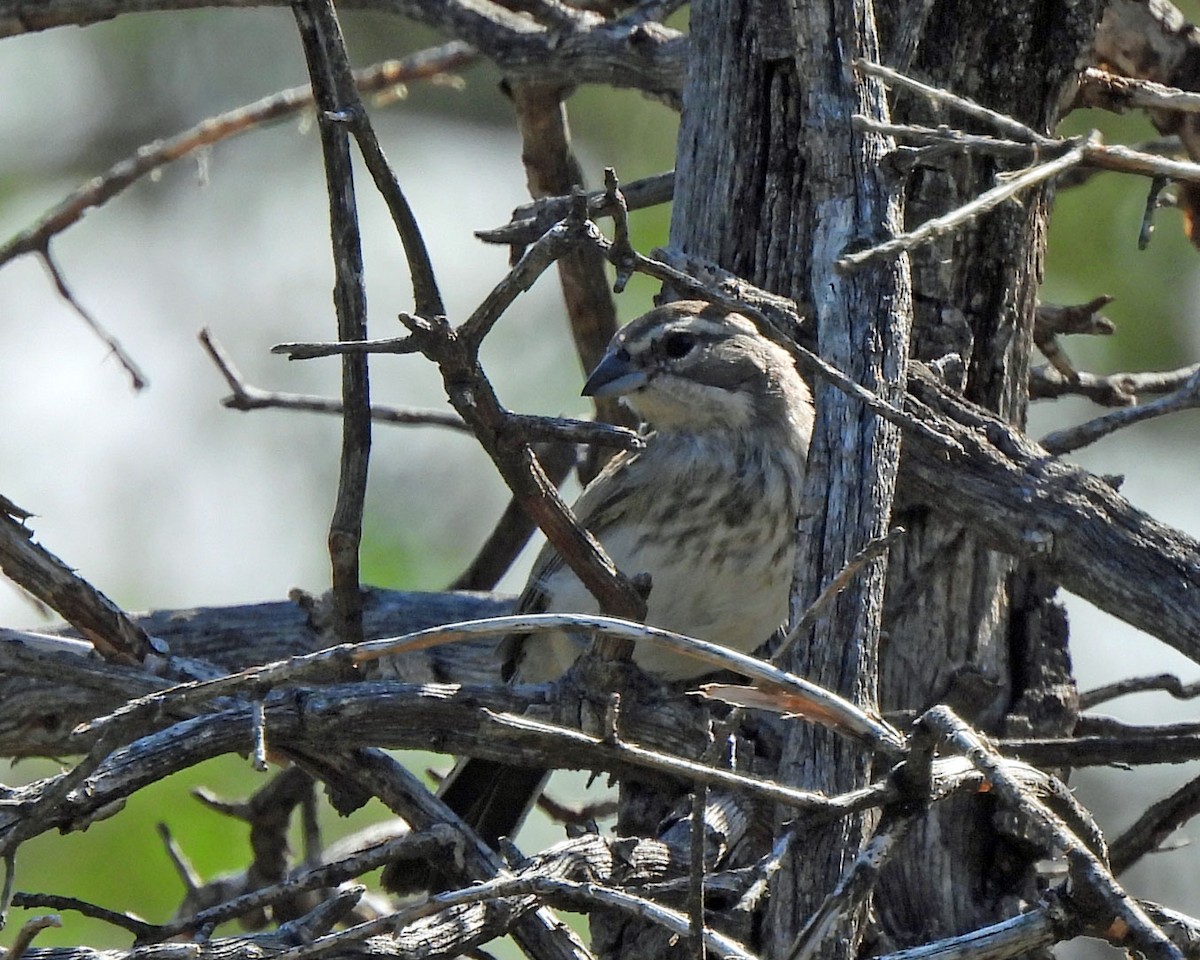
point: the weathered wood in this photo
(644, 55)
(46, 689)
(953, 629)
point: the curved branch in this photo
(623, 53)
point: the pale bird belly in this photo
(732, 591)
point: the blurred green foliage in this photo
(1093, 249)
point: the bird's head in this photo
(692, 366)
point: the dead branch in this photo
(1097, 751)
(1007, 125)
(1010, 490)
(533, 219)
(136, 378)
(1158, 822)
(1053, 321)
(426, 64)
(1094, 889)
(856, 884)
(246, 397)
(336, 100)
(1012, 185)
(551, 169)
(1109, 91)
(1187, 397)
(35, 569)
(1113, 390)
(455, 351)
(26, 934)
(330, 664)
(1166, 682)
(631, 53)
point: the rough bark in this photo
(773, 184)
(954, 629)
(751, 170)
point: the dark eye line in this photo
(678, 343)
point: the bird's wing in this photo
(598, 508)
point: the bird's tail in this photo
(492, 797)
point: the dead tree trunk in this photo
(759, 177)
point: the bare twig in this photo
(1157, 146)
(570, 893)
(1024, 935)
(875, 548)
(1157, 823)
(336, 348)
(1052, 320)
(944, 139)
(1167, 682)
(620, 751)
(621, 254)
(37, 814)
(518, 427)
(856, 884)
(431, 842)
(373, 772)
(940, 226)
(1187, 397)
(426, 296)
(1103, 751)
(532, 220)
(553, 244)
(336, 99)
(246, 397)
(1154, 200)
(633, 54)
(26, 934)
(1113, 390)
(696, 871)
(49, 901)
(136, 377)
(188, 875)
(1109, 91)
(426, 64)
(551, 169)
(838, 712)
(455, 351)
(1000, 121)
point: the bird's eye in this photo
(678, 344)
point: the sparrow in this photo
(708, 508)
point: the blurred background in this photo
(165, 499)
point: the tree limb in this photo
(623, 53)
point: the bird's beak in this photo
(614, 376)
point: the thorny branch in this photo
(305, 723)
(246, 397)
